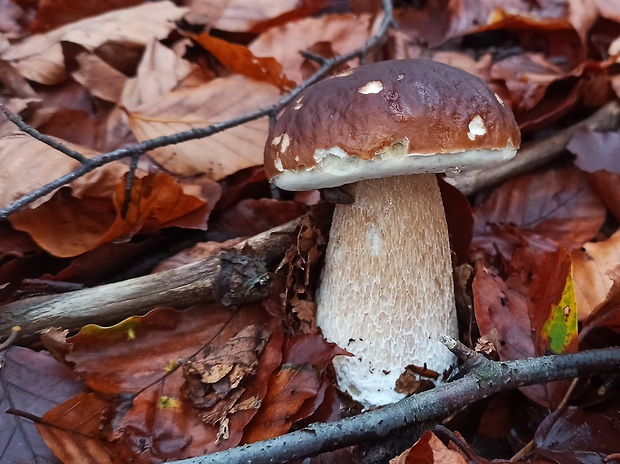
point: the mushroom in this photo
(381, 131)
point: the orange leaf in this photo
(429, 450)
(75, 436)
(241, 60)
(288, 389)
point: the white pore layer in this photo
(335, 167)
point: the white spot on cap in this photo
(400, 77)
(498, 98)
(346, 73)
(286, 140)
(278, 164)
(276, 140)
(298, 103)
(476, 127)
(371, 87)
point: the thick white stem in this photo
(386, 291)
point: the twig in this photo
(490, 377)
(137, 149)
(11, 338)
(527, 449)
(105, 304)
(21, 124)
(536, 154)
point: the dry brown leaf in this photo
(101, 79)
(28, 164)
(345, 32)
(55, 13)
(590, 269)
(39, 57)
(236, 15)
(160, 71)
(219, 100)
(472, 15)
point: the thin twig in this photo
(137, 149)
(529, 447)
(11, 338)
(46, 139)
(492, 377)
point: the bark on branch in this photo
(485, 378)
(193, 283)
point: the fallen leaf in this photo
(430, 450)
(557, 204)
(345, 33)
(532, 311)
(236, 15)
(240, 60)
(253, 216)
(160, 71)
(137, 360)
(596, 155)
(32, 382)
(76, 435)
(607, 314)
(39, 57)
(66, 226)
(574, 436)
(592, 265)
(100, 78)
(288, 389)
(55, 13)
(219, 100)
(210, 380)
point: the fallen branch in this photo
(538, 153)
(193, 283)
(484, 378)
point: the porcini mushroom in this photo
(381, 131)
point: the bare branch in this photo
(46, 139)
(137, 149)
(108, 304)
(491, 377)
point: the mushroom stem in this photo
(386, 292)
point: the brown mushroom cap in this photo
(395, 114)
